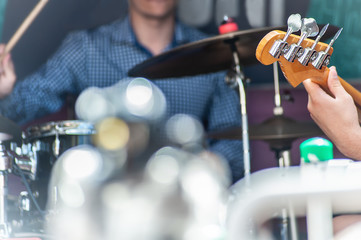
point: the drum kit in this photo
(32, 153)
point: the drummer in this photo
(103, 56)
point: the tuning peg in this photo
(309, 28)
(323, 57)
(294, 24)
(333, 40)
(309, 54)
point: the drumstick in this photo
(23, 27)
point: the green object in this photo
(316, 150)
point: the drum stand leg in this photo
(283, 156)
(287, 214)
(284, 159)
(5, 166)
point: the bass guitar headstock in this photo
(299, 57)
(302, 58)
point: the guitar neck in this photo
(321, 79)
(356, 95)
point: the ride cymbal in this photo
(279, 131)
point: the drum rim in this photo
(66, 127)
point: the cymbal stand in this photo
(284, 161)
(284, 156)
(5, 167)
(240, 78)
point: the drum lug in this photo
(56, 146)
(24, 202)
(26, 163)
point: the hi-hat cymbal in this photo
(9, 130)
(279, 131)
(208, 55)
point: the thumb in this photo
(334, 83)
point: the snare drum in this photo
(47, 142)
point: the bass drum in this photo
(47, 142)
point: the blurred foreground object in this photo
(177, 195)
(132, 99)
(144, 178)
(335, 184)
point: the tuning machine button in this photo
(309, 28)
(294, 23)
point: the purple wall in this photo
(260, 103)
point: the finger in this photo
(309, 104)
(8, 61)
(312, 105)
(313, 89)
(9, 70)
(5, 60)
(2, 48)
(359, 115)
(309, 85)
(334, 83)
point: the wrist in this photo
(351, 146)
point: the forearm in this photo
(350, 144)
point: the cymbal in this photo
(279, 131)
(208, 55)
(9, 130)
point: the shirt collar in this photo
(123, 32)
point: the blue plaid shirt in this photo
(103, 56)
